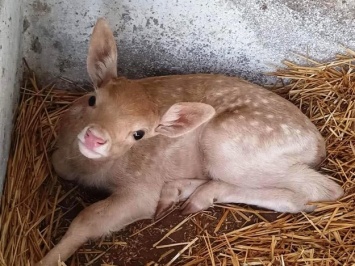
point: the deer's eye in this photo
(137, 135)
(92, 101)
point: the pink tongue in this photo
(91, 141)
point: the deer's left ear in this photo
(102, 56)
(184, 117)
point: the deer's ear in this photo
(182, 118)
(102, 56)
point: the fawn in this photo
(202, 138)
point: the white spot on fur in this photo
(285, 129)
(270, 116)
(226, 148)
(238, 102)
(264, 101)
(253, 141)
(255, 104)
(298, 132)
(247, 100)
(241, 117)
(237, 137)
(219, 80)
(254, 123)
(257, 113)
(269, 129)
(225, 124)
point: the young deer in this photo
(201, 138)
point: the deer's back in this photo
(253, 117)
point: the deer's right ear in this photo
(184, 117)
(102, 57)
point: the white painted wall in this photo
(243, 37)
(10, 72)
(238, 37)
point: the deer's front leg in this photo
(102, 218)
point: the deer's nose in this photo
(93, 141)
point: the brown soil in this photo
(137, 249)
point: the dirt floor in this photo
(37, 207)
(134, 245)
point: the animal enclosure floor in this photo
(37, 206)
(135, 244)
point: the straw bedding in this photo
(36, 207)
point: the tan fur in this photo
(208, 138)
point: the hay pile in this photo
(31, 216)
(31, 192)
